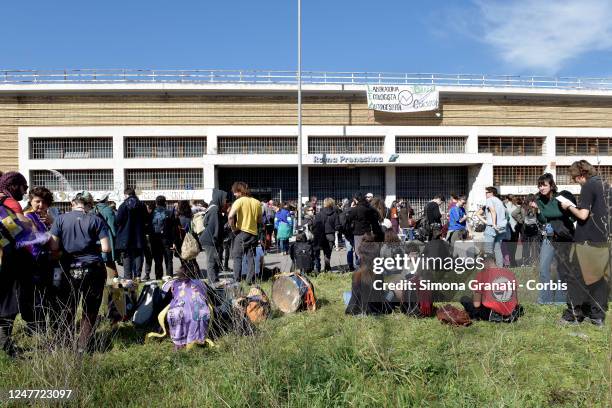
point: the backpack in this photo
(160, 218)
(303, 255)
(530, 225)
(149, 304)
(256, 305)
(197, 223)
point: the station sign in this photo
(347, 159)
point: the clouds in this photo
(544, 35)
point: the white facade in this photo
(480, 165)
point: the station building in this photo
(182, 139)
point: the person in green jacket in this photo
(557, 230)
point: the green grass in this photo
(327, 359)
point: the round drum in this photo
(288, 293)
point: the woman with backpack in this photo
(557, 234)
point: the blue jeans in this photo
(408, 234)
(547, 255)
(349, 253)
(492, 245)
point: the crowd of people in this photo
(51, 259)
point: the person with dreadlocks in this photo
(15, 259)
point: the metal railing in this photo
(92, 76)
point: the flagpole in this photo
(299, 139)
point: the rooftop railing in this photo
(110, 76)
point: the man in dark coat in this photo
(211, 239)
(131, 220)
(364, 219)
(326, 223)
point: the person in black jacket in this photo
(363, 219)
(131, 221)
(163, 236)
(211, 239)
(326, 224)
(302, 253)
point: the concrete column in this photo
(390, 185)
(550, 152)
(480, 177)
(471, 145)
(118, 167)
(210, 180)
(211, 142)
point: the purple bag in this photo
(189, 315)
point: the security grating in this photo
(341, 182)
(265, 183)
(71, 148)
(425, 145)
(72, 180)
(418, 185)
(165, 179)
(583, 146)
(62, 206)
(164, 147)
(256, 145)
(511, 146)
(563, 177)
(345, 145)
(517, 175)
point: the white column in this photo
(550, 152)
(118, 166)
(471, 145)
(390, 185)
(210, 180)
(481, 176)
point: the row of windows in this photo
(100, 180)
(185, 147)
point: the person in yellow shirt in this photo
(244, 218)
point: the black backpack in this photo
(151, 301)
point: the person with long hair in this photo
(554, 243)
(185, 215)
(527, 224)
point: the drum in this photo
(292, 292)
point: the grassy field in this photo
(326, 359)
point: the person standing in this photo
(148, 230)
(363, 219)
(82, 238)
(132, 218)
(588, 285)
(103, 210)
(283, 222)
(326, 224)
(269, 214)
(457, 224)
(510, 243)
(244, 218)
(211, 239)
(183, 224)
(15, 265)
(555, 243)
(496, 223)
(527, 223)
(163, 231)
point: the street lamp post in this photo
(299, 107)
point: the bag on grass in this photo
(449, 314)
(256, 305)
(150, 303)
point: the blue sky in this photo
(547, 37)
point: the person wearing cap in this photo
(81, 237)
(105, 211)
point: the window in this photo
(517, 175)
(583, 146)
(256, 145)
(424, 145)
(563, 177)
(345, 145)
(265, 183)
(72, 180)
(71, 148)
(511, 146)
(341, 182)
(165, 179)
(164, 147)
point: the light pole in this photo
(299, 101)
